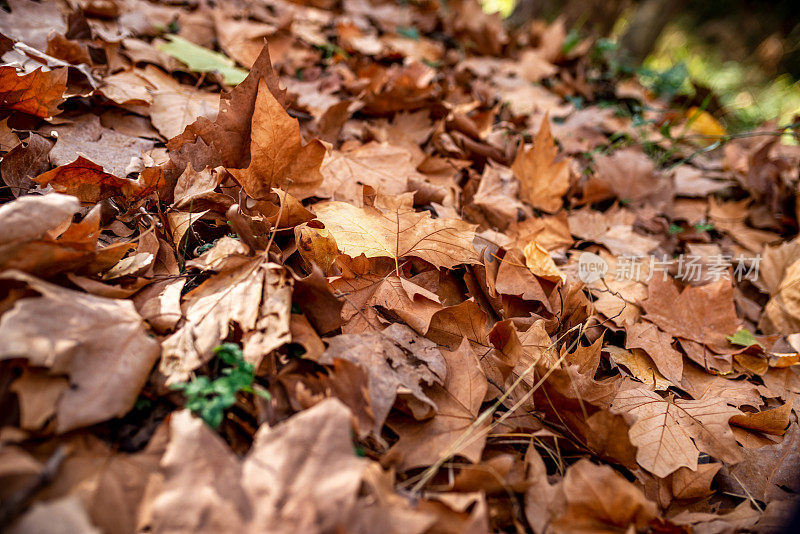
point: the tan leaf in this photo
(278, 157)
(670, 434)
(539, 261)
(87, 139)
(613, 229)
(279, 483)
(395, 358)
(765, 470)
(387, 168)
(704, 314)
(255, 295)
(543, 180)
(458, 401)
(640, 367)
(391, 228)
(174, 105)
(688, 484)
(365, 295)
(773, 421)
(657, 345)
(100, 343)
(600, 500)
(316, 246)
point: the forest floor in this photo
(400, 270)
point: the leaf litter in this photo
(368, 266)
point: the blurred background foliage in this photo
(747, 53)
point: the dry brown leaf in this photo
(391, 228)
(543, 180)
(386, 168)
(396, 359)
(704, 314)
(24, 162)
(254, 294)
(688, 484)
(37, 93)
(497, 198)
(764, 471)
(541, 263)
(598, 499)
(458, 402)
(774, 421)
(657, 345)
(32, 22)
(277, 484)
(670, 434)
(85, 180)
(86, 138)
(101, 344)
(278, 157)
(640, 366)
(174, 106)
(369, 297)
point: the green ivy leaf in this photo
(200, 59)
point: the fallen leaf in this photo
(86, 139)
(539, 261)
(391, 228)
(101, 344)
(277, 484)
(543, 180)
(450, 432)
(200, 59)
(670, 434)
(278, 157)
(32, 22)
(395, 359)
(37, 93)
(598, 499)
(657, 345)
(704, 314)
(254, 294)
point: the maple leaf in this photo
(704, 314)
(85, 180)
(543, 180)
(299, 474)
(174, 106)
(394, 358)
(253, 294)
(37, 93)
(100, 343)
(391, 228)
(386, 168)
(87, 138)
(226, 140)
(458, 403)
(365, 295)
(32, 22)
(658, 345)
(598, 499)
(670, 434)
(278, 157)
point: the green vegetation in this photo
(210, 398)
(200, 59)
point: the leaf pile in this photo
(350, 236)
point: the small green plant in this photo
(210, 398)
(704, 227)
